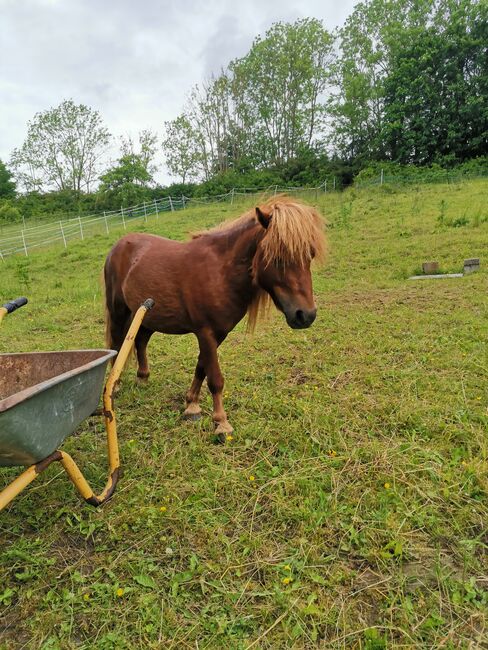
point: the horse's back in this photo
(141, 266)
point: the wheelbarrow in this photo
(44, 396)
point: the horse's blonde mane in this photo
(295, 235)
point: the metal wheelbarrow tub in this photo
(44, 396)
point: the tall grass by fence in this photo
(418, 176)
(27, 240)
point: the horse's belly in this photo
(166, 324)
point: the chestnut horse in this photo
(206, 285)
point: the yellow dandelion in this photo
(163, 509)
(479, 397)
(287, 567)
(86, 596)
(120, 592)
(252, 477)
(332, 453)
(229, 438)
(287, 580)
(387, 486)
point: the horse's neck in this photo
(238, 248)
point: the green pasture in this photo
(350, 508)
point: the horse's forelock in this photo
(295, 234)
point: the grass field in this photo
(349, 510)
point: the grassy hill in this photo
(350, 509)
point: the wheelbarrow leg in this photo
(17, 485)
(110, 423)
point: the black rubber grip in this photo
(14, 304)
(148, 304)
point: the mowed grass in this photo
(349, 510)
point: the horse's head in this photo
(283, 258)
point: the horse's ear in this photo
(264, 216)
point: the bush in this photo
(225, 182)
(9, 214)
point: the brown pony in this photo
(206, 285)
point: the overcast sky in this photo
(132, 60)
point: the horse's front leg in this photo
(208, 354)
(193, 410)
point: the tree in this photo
(148, 147)
(126, 182)
(62, 150)
(437, 91)
(183, 149)
(7, 184)
(279, 87)
(263, 110)
(369, 40)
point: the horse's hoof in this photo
(142, 381)
(223, 427)
(192, 417)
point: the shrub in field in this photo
(9, 214)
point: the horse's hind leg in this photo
(118, 326)
(193, 410)
(142, 339)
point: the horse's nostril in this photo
(300, 316)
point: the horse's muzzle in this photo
(300, 319)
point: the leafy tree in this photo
(62, 149)
(183, 150)
(126, 182)
(437, 91)
(279, 86)
(148, 147)
(261, 111)
(412, 81)
(7, 184)
(369, 42)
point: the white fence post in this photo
(156, 208)
(106, 224)
(145, 212)
(171, 204)
(81, 227)
(25, 245)
(123, 218)
(381, 178)
(334, 183)
(183, 201)
(62, 233)
(325, 187)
